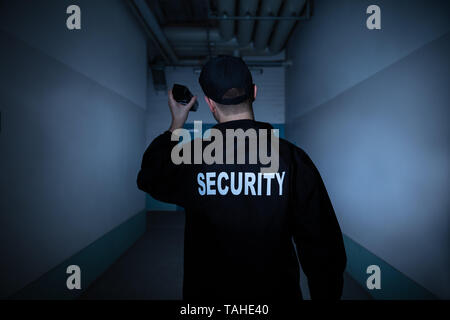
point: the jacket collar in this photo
(242, 124)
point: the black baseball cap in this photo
(223, 73)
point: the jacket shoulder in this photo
(297, 154)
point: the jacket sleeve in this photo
(316, 231)
(159, 176)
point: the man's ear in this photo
(255, 91)
(210, 104)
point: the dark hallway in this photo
(152, 269)
(360, 87)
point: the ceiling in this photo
(192, 13)
(189, 31)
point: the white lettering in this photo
(201, 183)
(222, 191)
(246, 183)
(249, 182)
(210, 183)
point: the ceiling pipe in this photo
(214, 17)
(264, 27)
(194, 35)
(147, 31)
(192, 42)
(253, 70)
(226, 27)
(249, 63)
(189, 52)
(283, 28)
(245, 27)
(158, 35)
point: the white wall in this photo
(371, 109)
(334, 50)
(72, 133)
(109, 48)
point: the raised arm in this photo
(159, 176)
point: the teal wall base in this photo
(101, 254)
(155, 205)
(394, 284)
(92, 260)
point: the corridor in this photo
(361, 87)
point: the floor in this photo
(152, 269)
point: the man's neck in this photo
(234, 117)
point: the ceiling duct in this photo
(189, 42)
(264, 28)
(152, 23)
(283, 28)
(226, 27)
(245, 27)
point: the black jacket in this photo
(239, 246)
